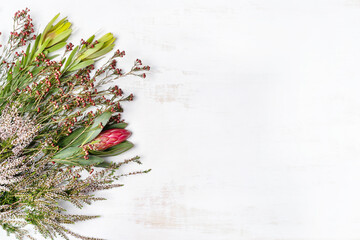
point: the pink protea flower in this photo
(109, 138)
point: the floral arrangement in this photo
(58, 121)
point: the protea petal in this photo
(109, 138)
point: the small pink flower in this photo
(109, 138)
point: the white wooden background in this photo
(250, 117)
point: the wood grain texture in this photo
(250, 117)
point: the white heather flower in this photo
(10, 171)
(21, 130)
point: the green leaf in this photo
(84, 135)
(66, 25)
(106, 37)
(80, 139)
(121, 125)
(37, 70)
(64, 35)
(48, 27)
(93, 160)
(109, 42)
(68, 153)
(71, 57)
(56, 47)
(115, 150)
(34, 48)
(101, 52)
(53, 56)
(25, 59)
(42, 47)
(61, 22)
(81, 65)
(89, 40)
(70, 139)
(16, 68)
(90, 51)
(95, 128)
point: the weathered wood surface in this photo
(250, 117)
